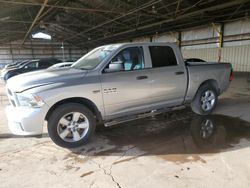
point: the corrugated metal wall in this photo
(141, 39)
(204, 43)
(236, 45)
(13, 51)
(208, 54)
(239, 56)
(200, 42)
(165, 38)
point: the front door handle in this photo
(141, 77)
(179, 72)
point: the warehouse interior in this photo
(200, 28)
(159, 151)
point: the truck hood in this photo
(5, 71)
(44, 77)
(12, 68)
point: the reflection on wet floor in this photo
(180, 137)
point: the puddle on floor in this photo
(180, 137)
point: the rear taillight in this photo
(231, 75)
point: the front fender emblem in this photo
(96, 91)
(110, 90)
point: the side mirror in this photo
(115, 66)
(25, 67)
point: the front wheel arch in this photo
(67, 131)
(85, 102)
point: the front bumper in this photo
(26, 121)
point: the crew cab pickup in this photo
(109, 85)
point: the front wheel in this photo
(205, 100)
(71, 125)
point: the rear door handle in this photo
(141, 77)
(179, 72)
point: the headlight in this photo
(3, 73)
(29, 100)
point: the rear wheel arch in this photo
(205, 99)
(211, 82)
(85, 102)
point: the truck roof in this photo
(141, 43)
(118, 45)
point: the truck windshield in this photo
(92, 59)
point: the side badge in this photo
(110, 90)
(96, 91)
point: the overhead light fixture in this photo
(41, 35)
(154, 11)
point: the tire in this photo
(203, 129)
(207, 133)
(202, 104)
(71, 125)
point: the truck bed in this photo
(200, 72)
(204, 63)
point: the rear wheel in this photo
(205, 100)
(71, 125)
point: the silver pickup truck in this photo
(109, 85)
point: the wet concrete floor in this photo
(178, 137)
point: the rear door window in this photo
(32, 65)
(162, 56)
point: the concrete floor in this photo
(154, 152)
